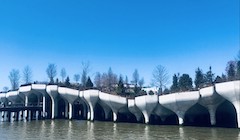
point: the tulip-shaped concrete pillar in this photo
(211, 100)
(134, 109)
(91, 96)
(70, 95)
(231, 91)
(146, 104)
(179, 103)
(52, 90)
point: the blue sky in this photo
(122, 34)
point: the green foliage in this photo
(238, 70)
(175, 86)
(185, 82)
(209, 77)
(67, 82)
(120, 88)
(89, 83)
(230, 70)
(199, 78)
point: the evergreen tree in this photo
(238, 70)
(209, 77)
(185, 82)
(120, 88)
(199, 78)
(175, 87)
(224, 77)
(89, 83)
(67, 82)
(231, 70)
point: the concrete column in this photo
(70, 111)
(26, 104)
(236, 104)
(54, 108)
(146, 117)
(20, 115)
(37, 114)
(114, 116)
(212, 112)
(2, 116)
(181, 117)
(44, 106)
(91, 113)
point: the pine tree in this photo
(209, 77)
(199, 78)
(231, 70)
(89, 83)
(185, 82)
(120, 88)
(67, 82)
(238, 70)
(175, 87)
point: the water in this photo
(76, 129)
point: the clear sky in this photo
(123, 34)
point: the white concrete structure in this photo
(211, 100)
(146, 104)
(176, 104)
(231, 92)
(179, 103)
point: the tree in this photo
(141, 82)
(5, 89)
(97, 80)
(199, 78)
(120, 88)
(135, 77)
(238, 70)
(175, 84)
(89, 83)
(67, 82)
(76, 77)
(224, 77)
(51, 72)
(63, 74)
(185, 82)
(85, 71)
(209, 77)
(27, 75)
(14, 77)
(160, 77)
(230, 70)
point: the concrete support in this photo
(70, 111)
(181, 117)
(212, 112)
(44, 106)
(114, 116)
(26, 104)
(54, 108)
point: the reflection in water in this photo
(64, 129)
(181, 133)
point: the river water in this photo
(85, 130)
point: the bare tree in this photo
(135, 77)
(63, 74)
(97, 80)
(160, 77)
(14, 77)
(76, 77)
(85, 71)
(51, 72)
(27, 75)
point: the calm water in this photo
(64, 129)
